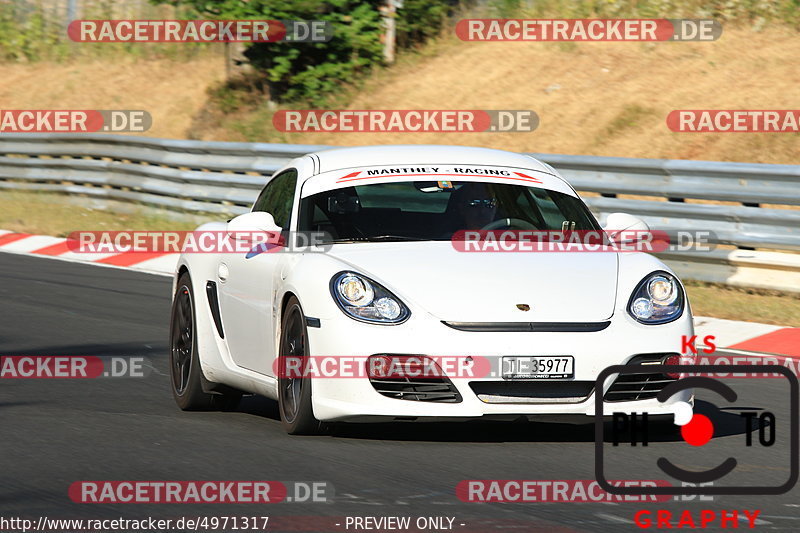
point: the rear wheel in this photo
(184, 365)
(294, 394)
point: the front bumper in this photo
(355, 399)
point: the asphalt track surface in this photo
(56, 432)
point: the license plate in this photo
(538, 367)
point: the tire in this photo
(186, 377)
(294, 394)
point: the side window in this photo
(548, 209)
(277, 196)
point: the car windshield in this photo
(435, 210)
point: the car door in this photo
(247, 293)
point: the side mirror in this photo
(623, 228)
(248, 223)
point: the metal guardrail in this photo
(224, 178)
(756, 196)
(207, 177)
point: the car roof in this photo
(416, 154)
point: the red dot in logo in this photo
(698, 431)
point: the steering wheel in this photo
(508, 223)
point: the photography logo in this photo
(757, 449)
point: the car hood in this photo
(487, 287)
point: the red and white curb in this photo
(57, 248)
(747, 337)
(728, 335)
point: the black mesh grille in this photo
(639, 386)
(434, 389)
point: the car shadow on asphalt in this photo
(520, 430)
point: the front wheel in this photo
(294, 393)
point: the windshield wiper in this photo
(378, 238)
(395, 238)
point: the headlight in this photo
(368, 301)
(355, 291)
(658, 299)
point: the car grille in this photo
(539, 327)
(433, 389)
(532, 391)
(639, 386)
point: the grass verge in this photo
(738, 303)
(53, 214)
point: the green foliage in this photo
(26, 34)
(312, 74)
(420, 20)
(505, 8)
(36, 30)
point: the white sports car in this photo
(392, 289)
